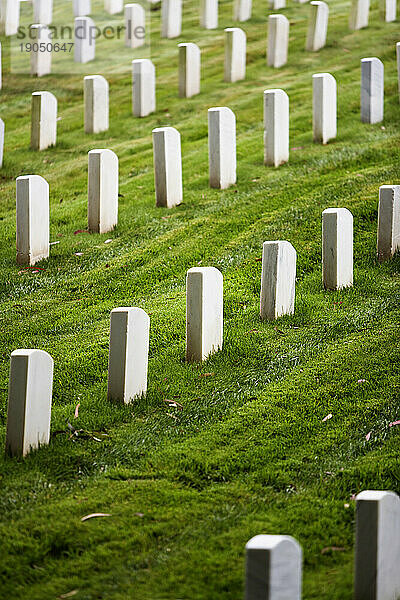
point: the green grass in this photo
(248, 453)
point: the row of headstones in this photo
(274, 562)
(171, 14)
(277, 48)
(30, 388)
(222, 121)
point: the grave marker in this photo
(337, 248)
(9, 17)
(209, 14)
(372, 90)
(143, 87)
(390, 10)
(359, 14)
(189, 70)
(40, 60)
(276, 127)
(44, 120)
(278, 40)
(398, 65)
(277, 4)
(377, 546)
(318, 26)
(29, 401)
(242, 10)
(32, 219)
(135, 23)
(235, 54)
(82, 8)
(221, 147)
(96, 101)
(388, 241)
(324, 107)
(204, 313)
(2, 129)
(129, 354)
(167, 166)
(85, 40)
(102, 191)
(171, 18)
(114, 7)
(273, 568)
(43, 11)
(278, 280)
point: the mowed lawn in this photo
(237, 446)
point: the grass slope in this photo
(248, 453)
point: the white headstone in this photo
(372, 90)
(96, 100)
(9, 17)
(242, 10)
(278, 40)
(167, 166)
(377, 547)
(29, 401)
(359, 14)
(273, 568)
(189, 70)
(2, 129)
(324, 107)
(171, 18)
(113, 7)
(40, 60)
(276, 127)
(235, 54)
(82, 8)
(398, 65)
(204, 312)
(43, 11)
(209, 14)
(221, 147)
(277, 4)
(44, 120)
(317, 26)
(388, 241)
(135, 23)
(85, 40)
(143, 87)
(390, 10)
(278, 280)
(32, 219)
(129, 354)
(102, 191)
(337, 248)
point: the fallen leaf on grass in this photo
(298, 148)
(254, 331)
(258, 259)
(327, 417)
(94, 516)
(53, 243)
(368, 436)
(76, 413)
(108, 241)
(206, 374)
(361, 380)
(394, 423)
(81, 231)
(138, 515)
(332, 549)
(78, 253)
(173, 403)
(68, 594)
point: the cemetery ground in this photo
(239, 445)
